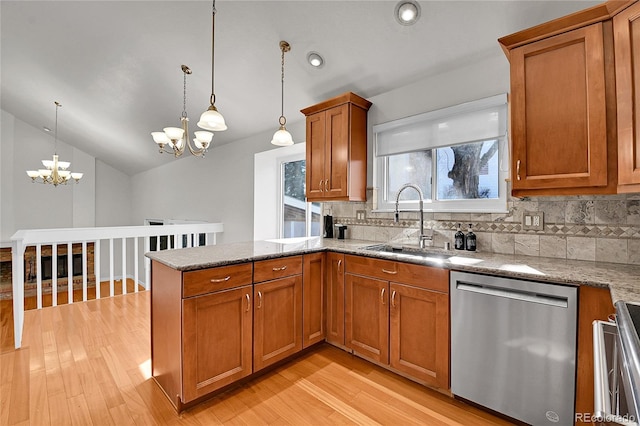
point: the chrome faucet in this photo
(422, 239)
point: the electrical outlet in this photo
(361, 214)
(533, 221)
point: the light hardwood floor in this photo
(89, 364)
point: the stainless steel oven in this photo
(615, 369)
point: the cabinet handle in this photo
(382, 295)
(220, 280)
(393, 298)
(259, 299)
(389, 272)
(326, 185)
(248, 302)
(282, 268)
(339, 263)
(321, 185)
(518, 169)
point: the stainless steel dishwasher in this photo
(513, 346)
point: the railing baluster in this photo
(147, 264)
(39, 276)
(135, 264)
(111, 289)
(84, 271)
(96, 265)
(54, 274)
(69, 273)
(124, 266)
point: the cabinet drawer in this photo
(267, 270)
(216, 279)
(407, 273)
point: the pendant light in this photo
(178, 138)
(55, 171)
(282, 137)
(211, 119)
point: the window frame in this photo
(431, 203)
(280, 207)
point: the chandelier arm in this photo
(198, 152)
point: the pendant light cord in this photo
(213, 32)
(55, 134)
(282, 85)
(184, 95)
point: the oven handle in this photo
(601, 397)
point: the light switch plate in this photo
(533, 221)
(361, 214)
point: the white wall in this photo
(27, 205)
(217, 188)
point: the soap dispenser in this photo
(470, 240)
(458, 242)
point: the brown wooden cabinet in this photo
(572, 102)
(398, 314)
(626, 28)
(335, 299)
(201, 329)
(277, 326)
(419, 334)
(367, 317)
(336, 154)
(313, 303)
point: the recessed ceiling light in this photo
(46, 129)
(315, 60)
(407, 12)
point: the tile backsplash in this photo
(603, 228)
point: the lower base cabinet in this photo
(215, 356)
(397, 314)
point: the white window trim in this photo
(495, 205)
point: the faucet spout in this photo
(421, 238)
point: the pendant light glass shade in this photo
(212, 120)
(282, 137)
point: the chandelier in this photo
(55, 172)
(178, 138)
(282, 137)
(211, 119)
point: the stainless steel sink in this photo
(408, 251)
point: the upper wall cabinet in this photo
(567, 134)
(626, 32)
(336, 167)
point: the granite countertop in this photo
(622, 280)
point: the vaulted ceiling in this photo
(115, 65)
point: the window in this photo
(299, 218)
(457, 156)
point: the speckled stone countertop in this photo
(622, 280)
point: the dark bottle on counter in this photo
(470, 240)
(458, 242)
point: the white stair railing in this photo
(84, 236)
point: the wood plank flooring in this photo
(89, 364)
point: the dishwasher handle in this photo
(509, 293)
(601, 397)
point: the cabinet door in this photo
(277, 320)
(216, 340)
(334, 293)
(336, 166)
(558, 112)
(313, 282)
(419, 334)
(315, 156)
(626, 27)
(367, 317)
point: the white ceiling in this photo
(115, 65)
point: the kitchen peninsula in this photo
(204, 295)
